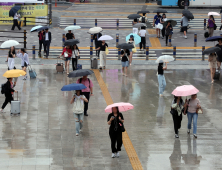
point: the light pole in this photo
(50, 12)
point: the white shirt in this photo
(142, 33)
(135, 30)
(47, 36)
(75, 53)
(16, 16)
(24, 58)
(164, 19)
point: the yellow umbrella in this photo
(14, 73)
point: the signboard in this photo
(24, 1)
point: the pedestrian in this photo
(142, 34)
(115, 120)
(11, 58)
(161, 78)
(176, 111)
(156, 21)
(67, 53)
(163, 20)
(219, 54)
(15, 21)
(41, 42)
(191, 107)
(184, 20)
(131, 41)
(135, 30)
(78, 109)
(143, 19)
(221, 19)
(24, 60)
(97, 42)
(69, 35)
(102, 55)
(75, 56)
(8, 91)
(86, 92)
(210, 25)
(212, 64)
(169, 30)
(47, 37)
(125, 61)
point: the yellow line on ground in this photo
(155, 42)
(151, 31)
(131, 152)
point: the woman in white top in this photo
(142, 34)
(24, 60)
(75, 56)
(11, 58)
(163, 19)
(131, 41)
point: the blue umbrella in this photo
(214, 38)
(13, 10)
(42, 28)
(137, 38)
(35, 28)
(74, 86)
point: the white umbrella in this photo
(9, 43)
(35, 28)
(213, 13)
(164, 58)
(95, 30)
(72, 27)
(105, 37)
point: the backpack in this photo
(206, 34)
(143, 19)
(81, 81)
(3, 88)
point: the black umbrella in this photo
(160, 11)
(214, 38)
(173, 23)
(71, 42)
(143, 12)
(80, 73)
(138, 25)
(42, 28)
(187, 14)
(125, 46)
(134, 16)
(13, 10)
(211, 50)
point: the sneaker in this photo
(176, 136)
(188, 131)
(194, 135)
(77, 134)
(185, 37)
(117, 154)
(24, 78)
(162, 37)
(161, 95)
(113, 155)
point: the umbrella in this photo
(121, 106)
(42, 28)
(138, 25)
(9, 43)
(80, 73)
(95, 30)
(73, 27)
(137, 38)
(211, 50)
(35, 28)
(214, 38)
(187, 14)
(185, 90)
(105, 37)
(143, 12)
(134, 16)
(14, 73)
(220, 11)
(213, 13)
(71, 42)
(74, 86)
(125, 46)
(13, 10)
(160, 11)
(164, 58)
(173, 23)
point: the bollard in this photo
(195, 40)
(170, 36)
(25, 38)
(91, 52)
(174, 52)
(95, 22)
(24, 21)
(117, 39)
(74, 21)
(33, 52)
(147, 52)
(63, 40)
(205, 24)
(203, 48)
(117, 24)
(91, 39)
(119, 51)
(221, 35)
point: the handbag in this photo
(134, 49)
(122, 128)
(199, 111)
(215, 26)
(65, 54)
(107, 51)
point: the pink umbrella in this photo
(185, 90)
(122, 107)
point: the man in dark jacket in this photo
(97, 43)
(47, 40)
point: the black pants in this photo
(74, 63)
(40, 45)
(97, 45)
(143, 43)
(116, 139)
(177, 122)
(46, 48)
(167, 39)
(221, 27)
(8, 99)
(87, 95)
(15, 23)
(163, 31)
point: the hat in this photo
(131, 36)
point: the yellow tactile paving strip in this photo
(151, 31)
(155, 42)
(131, 152)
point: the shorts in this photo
(25, 65)
(125, 63)
(131, 50)
(184, 28)
(67, 58)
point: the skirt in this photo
(213, 64)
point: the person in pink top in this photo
(86, 92)
(67, 53)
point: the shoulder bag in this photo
(107, 51)
(122, 128)
(199, 111)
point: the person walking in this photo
(142, 34)
(102, 55)
(15, 21)
(163, 20)
(69, 35)
(212, 64)
(161, 78)
(143, 19)
(176, 111)
(97, 42)
(219, 54)
(131, 41)
(8, 91)
(191, 107)
(75, 56)
(125, 61)
(67, 53)
(135, 30)
(156, 21)
(221, 20)
(24, 60)
(47, 37)
(210, 25)
(86, 92)
(41, 42)
(115, 120)
(78, 109)
(184, 20)
(169, 30)
(11, 58)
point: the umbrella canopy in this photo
(80, 73)
(14, 73)
(173, 23)
(143, 12)
(138, 25)
(185, 90)
(213, 13)
(160, 11)
(125, 46)
(164, 59)
(35, 28)
(220, 11)
(95, 30)
(134, 16)
(137, 38)
(13, 10)
(123, 107)
(187, 14)
(71, 42)
(105, 37)
(9, 43)
(211, 50)
(72, 27)
(214, 38)
(42, 28)
(74, 86)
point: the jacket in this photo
(50, 36)
(24, 58)
(8, 89)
